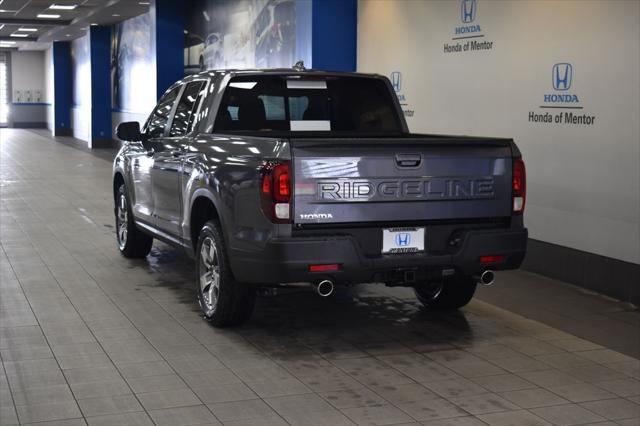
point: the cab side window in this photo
(158, 120)
(186, 108)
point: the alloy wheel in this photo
(122, 221)
(209, 274)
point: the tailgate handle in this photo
(408, 160)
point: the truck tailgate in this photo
(400, 179)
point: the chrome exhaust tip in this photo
(487, 278)
(324, 288)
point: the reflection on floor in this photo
(87, 336)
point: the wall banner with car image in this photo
(246, 34)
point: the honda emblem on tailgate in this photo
(403, 239)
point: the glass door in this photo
(4, 90)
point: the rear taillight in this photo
(276, 191)
(519, 186)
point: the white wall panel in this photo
(583, 180)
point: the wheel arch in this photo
(203, 208)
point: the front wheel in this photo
(132, 243)
(450, 293)
(223, 300)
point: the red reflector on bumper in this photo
(324, 268)
(492, 259)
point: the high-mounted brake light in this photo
(519, 186)
(276, 192)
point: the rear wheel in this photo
(450, 293)
(132, 242)
(223, 300)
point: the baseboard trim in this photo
(605, 275)
(105, 143)
(28, 125)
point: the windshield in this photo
(293, 104)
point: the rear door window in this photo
(186, 108)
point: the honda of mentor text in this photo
(287, 176)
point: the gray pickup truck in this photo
(289, 176)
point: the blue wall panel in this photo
(62, 91)
(168, 27)
(100, 48)
(334, 34)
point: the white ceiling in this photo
(16, 14)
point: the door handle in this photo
(408, 160)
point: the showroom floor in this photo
(88, 336)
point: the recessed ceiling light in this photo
(63, 6)
(115, 15)
(18, 35)
(7, 42)
(29, 30)
(144, 3)
(48, 16)
(93, 24)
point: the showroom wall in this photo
(81, 70)
(495, 74)
(28, 86)
(133, 70)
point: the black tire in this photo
(132, 243)
(451, 293)
(228, 302)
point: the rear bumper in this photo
(288, 260)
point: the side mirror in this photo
(129, 131)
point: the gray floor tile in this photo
(168, 399)
(503, 383)
(225, 393)
(307, 409)
(376, 415)
(531, 398)
(241, 410)
(485, 403)
(402, 394)
(432, 409)
(102, 406)
(455, 421)
(42, 395)
(129, 419)
(47, 412)
(581, 392)
(156, 383)
(183, 416)
(513, 418)
(351, 398)
(613, 409)
(570, 414)
(456, 388)
(100, 389)
(623, 387)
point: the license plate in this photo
(402, 240)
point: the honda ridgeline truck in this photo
(275, 177)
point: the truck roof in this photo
(282, 71)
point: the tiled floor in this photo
(87, 336)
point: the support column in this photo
(62, 88)
(100, 56)
(167, 39)
(334, 32)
